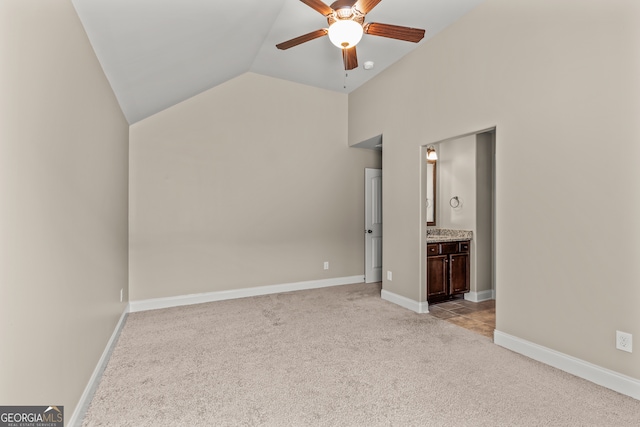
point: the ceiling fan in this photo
(346, 27)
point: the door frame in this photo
(368, 243)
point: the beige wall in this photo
(483, 236)
(251, 183)
(457, 178)
(553, 77)
(63, 205)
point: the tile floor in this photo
(479, 317)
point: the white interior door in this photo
(373, 225)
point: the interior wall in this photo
(251, 183)
(457, 178)
(552, 77)
(63, 198)
(483, 234)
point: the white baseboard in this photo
(480, 296)
(94, 380)
(418, 307)
(157, 303)
(588, 371)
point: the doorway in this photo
(466, 178)
(373, 215)
(373, 225)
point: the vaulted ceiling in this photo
(157, 53)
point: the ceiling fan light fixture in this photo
(345, 33)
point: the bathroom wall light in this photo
(431, 153)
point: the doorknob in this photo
(369, 231)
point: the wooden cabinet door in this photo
(459, 276)
(437, 276)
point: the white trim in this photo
(580, 368)
(418, 307)
(179, 300)
(94, 380)
(480, 296)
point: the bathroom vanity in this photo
(448, 263)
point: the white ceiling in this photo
(157, 53)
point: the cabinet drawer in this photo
(433, 249)
(448, 248)
(463, 247)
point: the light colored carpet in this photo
(337, 356)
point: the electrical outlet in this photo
(326, 265)
(121, 294)
(389, 276)
(624, 341)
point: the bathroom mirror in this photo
(431, 192)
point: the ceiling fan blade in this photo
(301, 39)
(394, 32)
(318, 6)
(365, 6)
(350, 58)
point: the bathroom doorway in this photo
(464, 186)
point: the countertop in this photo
(439, 235)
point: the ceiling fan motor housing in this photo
(343, 5)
